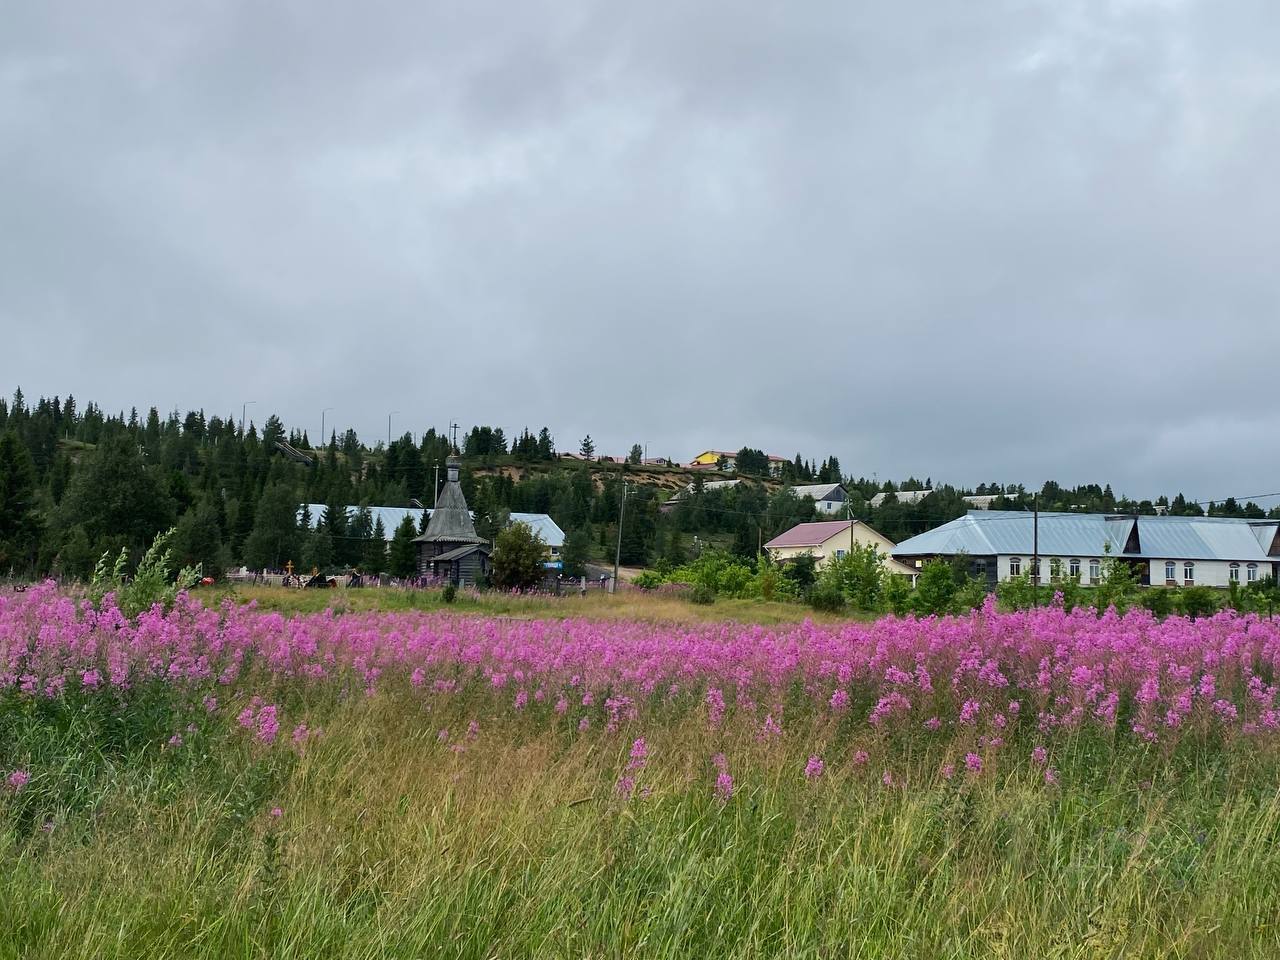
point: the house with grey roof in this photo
(901, 496)
(1162, 550)
(827, 497)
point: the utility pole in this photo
(389, 428)
(617, 556)
(435, 490)
(1035, 550)
(243, 407)
(323, 438)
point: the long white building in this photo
(1164, 551)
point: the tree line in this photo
(77, 482)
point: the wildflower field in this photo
(226, 781)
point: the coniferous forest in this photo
(77, 482)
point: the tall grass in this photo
(515, 842)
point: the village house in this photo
(827, 497)
(827, 539)
(711, 459)
(1162, 550)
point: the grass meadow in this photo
(218, 782)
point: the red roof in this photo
(809, 534)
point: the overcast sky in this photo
(979, 241)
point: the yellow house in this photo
(709, 459)
(825, 539)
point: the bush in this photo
(1196, 602)
(150, 584)
(1158, 600)
(647, 580)
(449, 593)
(826, 596)
(519, 558)
(702, 594)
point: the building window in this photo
(1189, 573)
(1055, 570)
(1233, 572)
(1095, 571)
(1251, 573)
(1015, 566)
(839, 554)
(1170, 573)
(1074, 569)
(980, 569)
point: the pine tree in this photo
(374, 560)
(402, 560)
(19, 522)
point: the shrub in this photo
(647, 580)
(519, 558)
(449, 593)
(1196, 602)
(826, 596)
(702, 594)
(150, 584)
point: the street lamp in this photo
(243, 407)
(323, 441)
(389, 427)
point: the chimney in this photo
(451, 468)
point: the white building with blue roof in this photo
(1163, 550)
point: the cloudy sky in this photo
(969, 239)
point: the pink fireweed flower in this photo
(210, 704)
(813, 769)
(769, 728)
(1039, 756)
(175, 740)
(724, 787)
(969, 711)
(583, 724)
(948, 771)
(639, 752)
(933, 723)
(443, 735)
(268, 725)
(276, 813)
(1050, 776)
(861, 757)
(17, 780)
(839, 701)
(522, 699)
(300, 734)
(245, 718)
(625, 787)
(473, 730)
(720, 762)
(887, 779)
(973, 762)
(715, 707)
(562, 706)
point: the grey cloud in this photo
(985, 241)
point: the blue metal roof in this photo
(1010, 532)
(391, 517)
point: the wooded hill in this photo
(77, 482)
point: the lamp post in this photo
(389, 415)
(323, 441)
(244, 406)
